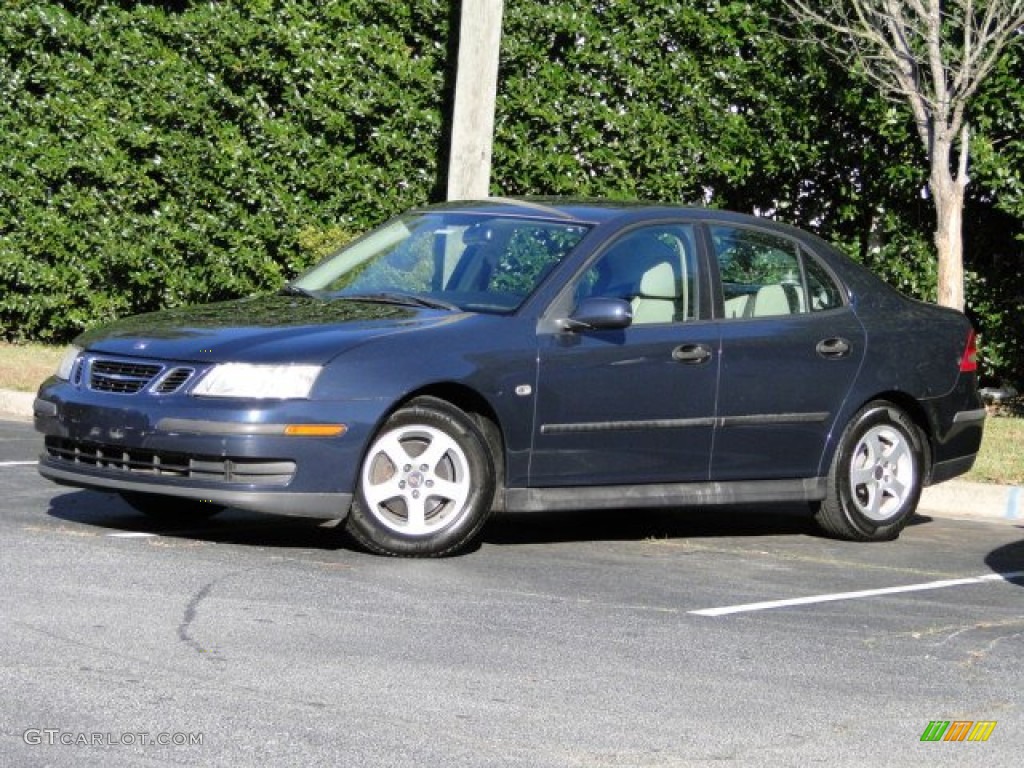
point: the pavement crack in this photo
(191, 612)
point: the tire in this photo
(875, 481)
(426, 484)
(172, 509)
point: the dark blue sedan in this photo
(530, 355)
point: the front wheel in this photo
(426, 483)
(875, 480)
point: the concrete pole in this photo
(476, 88)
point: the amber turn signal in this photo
(315, 430)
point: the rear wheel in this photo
(170, 509)
(426, 483)
(875, 480)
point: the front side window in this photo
(764, 275)
(653, 268)
(472, 262)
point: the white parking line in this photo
(770, 604)
(18, 463)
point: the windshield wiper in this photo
(404, 299)
(289, 289)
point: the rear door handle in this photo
(833, 348)
(693, 354)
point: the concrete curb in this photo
(956, 498)
(16, 406)
(960, 498)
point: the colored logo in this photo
(958, 730)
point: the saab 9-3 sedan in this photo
(530, 355)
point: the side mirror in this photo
(600, 314)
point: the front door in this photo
(635, 405)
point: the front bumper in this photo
(233, 453)
(330, 505)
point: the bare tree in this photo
(933, 55)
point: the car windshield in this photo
(446, 260)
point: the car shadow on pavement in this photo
(107, 511)
(1008, 561)
(232, 526)
(640, 524)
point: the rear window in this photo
(765, 274)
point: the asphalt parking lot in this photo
(652, 638)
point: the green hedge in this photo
(156, 154)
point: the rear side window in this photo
(823, 293)
(765, 274)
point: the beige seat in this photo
(642, 269)
(771, 300)
(738, 306)
(656, 302)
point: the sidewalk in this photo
(956, 498)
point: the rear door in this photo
(791, 348)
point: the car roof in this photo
(596, 211)
(548, 208)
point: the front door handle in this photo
(833, 348)
(693, 354)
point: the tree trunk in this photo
(950, 245)
(948, 191)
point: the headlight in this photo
(277, 382)
(67, 363)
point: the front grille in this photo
(121, 376)
(173, 380)
(125, 376)
(218, 469)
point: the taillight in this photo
(969, 362)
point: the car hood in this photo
(259, 329)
